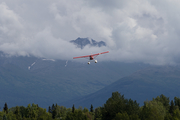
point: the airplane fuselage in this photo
(91, 57)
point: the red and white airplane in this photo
(91, 57)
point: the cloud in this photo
(135, 31)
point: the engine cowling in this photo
(95, 61)
(88, 62)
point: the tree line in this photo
(116, 108)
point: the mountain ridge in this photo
(43, 81)
(49, 82)
(82, 42)
(142, 85)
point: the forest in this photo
(117, 107)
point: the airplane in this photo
(91, 57)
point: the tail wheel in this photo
(95, 61)
(88, 62)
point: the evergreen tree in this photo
(177, 101)
(5, 108)
(172, 107)
(118, 104)
(32, 111)
(73, 109)
(49, 109)
(91, 109)
(115, 104)
(54, 112)
(132, 107)
(53, 107)
(23, 111)
(98, 113)
(17, 113)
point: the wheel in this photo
(95, 61)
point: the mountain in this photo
(42, 81)
(142, 85)
(82, 42)
(27, 80)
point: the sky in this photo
(145, 31)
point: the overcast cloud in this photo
(135, 31)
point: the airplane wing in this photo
(91, 55)
(100, 53)
(81, 56)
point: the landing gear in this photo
(95, 61)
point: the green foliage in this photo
(132, 107)
(168, 116)
(11, 116)
(164, 100)
(4, 117)
(153, 110)
(23, 111)
(91, 108)
(42, 114)
(77, 115)
(118, 104)
(121, 116)
(17, 113)
(98, 114)
(1, 115)
(177, 101)
(5, 108)
(54, 111)
(115, 108)
(85, 110)
(172, 107)
(134, 117)
(49, 109)
(176, 114)
(73, 108)
(113, 105)
(61, 111)
(32, 111)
